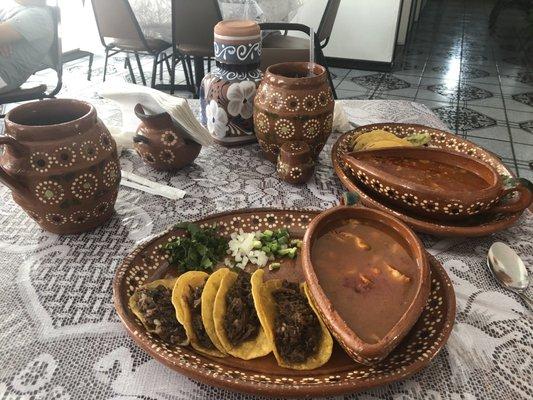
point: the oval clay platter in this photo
(262, 376)
(480, 225)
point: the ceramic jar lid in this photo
(237, 42)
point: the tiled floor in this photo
(478, 83)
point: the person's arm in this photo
(8, 35)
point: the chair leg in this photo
(191, 75)
(130, 69)
(143, 78)
(163, 57)
(90, 70)
(185, 71)
(173, 72)
(208, 64)
(154, 71)
(105, 63)
(167, 63)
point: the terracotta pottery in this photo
(425, 197)
(478, 225)
(61, 164)
(360, 350)
(263, 376)
(227, 94)
(293, 103)
(295, 162)
(161, 144)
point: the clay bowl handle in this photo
(521, 203)
(17, 150)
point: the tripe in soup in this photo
(429, 173)
(367, 274)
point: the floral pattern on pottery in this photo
(217, 120)
(56, 159)
(292, 106)
(227, 94)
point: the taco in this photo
(236, 323)
(299, 338)
(152, 304)
(208, 304)
(187, 300)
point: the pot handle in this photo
(350, 199)
(521, 203)
(141, 139)
(5, 178)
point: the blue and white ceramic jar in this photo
(227, 93)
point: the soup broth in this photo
(432, 174)
(367, 274)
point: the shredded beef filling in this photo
(240, 322)
(195, 306)
(156, 306)
(296, 327)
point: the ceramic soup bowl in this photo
(435, 183)
(368, 276)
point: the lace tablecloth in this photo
(60, 337)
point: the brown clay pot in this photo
(433, 202)
(293, 103)
(358, 349)
(161, 144)
(295, 162)
(61, 164)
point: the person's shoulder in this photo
(35, 13)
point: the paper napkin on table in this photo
(128, 95)
(340, 119)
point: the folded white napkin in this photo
(340, 119)
(128, 95)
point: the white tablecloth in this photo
(60, 337)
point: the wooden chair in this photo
(193, 22)
(117, 23)
(281, 48)
(41, 91)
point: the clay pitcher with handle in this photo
(61, 164)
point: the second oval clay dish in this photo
(368, 276)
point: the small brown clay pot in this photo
(160, 142)
(61, 164)
(360, 350)
(293, 103)
(295, 162)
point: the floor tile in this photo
(502, 149)
(521, 136)
(525, 173)
(353, 94)
(516, 117)
(500, 133)
(348, 84)
(523, 152)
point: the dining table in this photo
(60, 337)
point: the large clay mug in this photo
(61, 164)
(293, 103)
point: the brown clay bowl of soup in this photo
(435, 183)
(368, 276)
